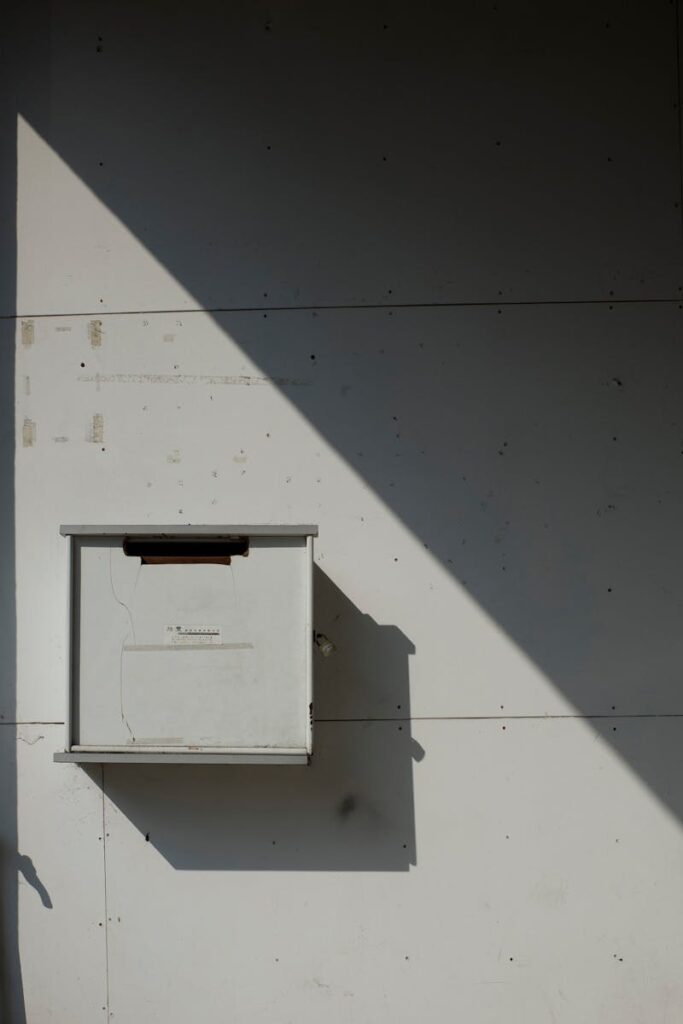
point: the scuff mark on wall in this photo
(60, 440)
(28, 333)
(96, 430)
(169, 337)
(28, 433)
(174, 456)
(27, 385)
(188, 378)
(95, 333)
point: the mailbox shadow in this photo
(351, 809)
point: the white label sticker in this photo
(185, 635)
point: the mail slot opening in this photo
(183, 550)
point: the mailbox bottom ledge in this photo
(133, 756)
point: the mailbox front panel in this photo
(178, 654)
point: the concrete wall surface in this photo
(413, 273)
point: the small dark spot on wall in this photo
(347, 806)
(146, 837)
(312, 357)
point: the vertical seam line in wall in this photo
(679, 123)
(106, 904)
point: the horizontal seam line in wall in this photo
(454, 718)
(4, 722)
(499, 718)
(341, 306)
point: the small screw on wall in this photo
(324, 644)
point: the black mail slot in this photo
(179, 550)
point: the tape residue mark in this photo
(95, 333)
(96, 431)
(28, 433)
(28, 333)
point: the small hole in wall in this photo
(82, 364)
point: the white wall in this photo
(412, 273)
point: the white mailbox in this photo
(190, 644)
